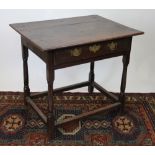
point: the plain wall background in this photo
(141, 70)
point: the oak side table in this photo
(72, 41)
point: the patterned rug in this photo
(135, 127)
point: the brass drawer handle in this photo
(112, 46)
(76, 52)
(94, 48)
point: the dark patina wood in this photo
(104, 91)
(62, 89)
(39, 112)
(89, 113)
(72, 41)
(25, 55)
(61, 33)
(126, 59)
(78, 54)
(50, 80)
(91, 78)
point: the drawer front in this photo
(92, 51)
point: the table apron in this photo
(91, 52)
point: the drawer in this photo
(92, 51)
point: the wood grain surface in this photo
(61, 33)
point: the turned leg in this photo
(50, 116)
(125, 60)
(91, 78)
(25, 73)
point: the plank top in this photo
(61, 33)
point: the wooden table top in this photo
(61, 33)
